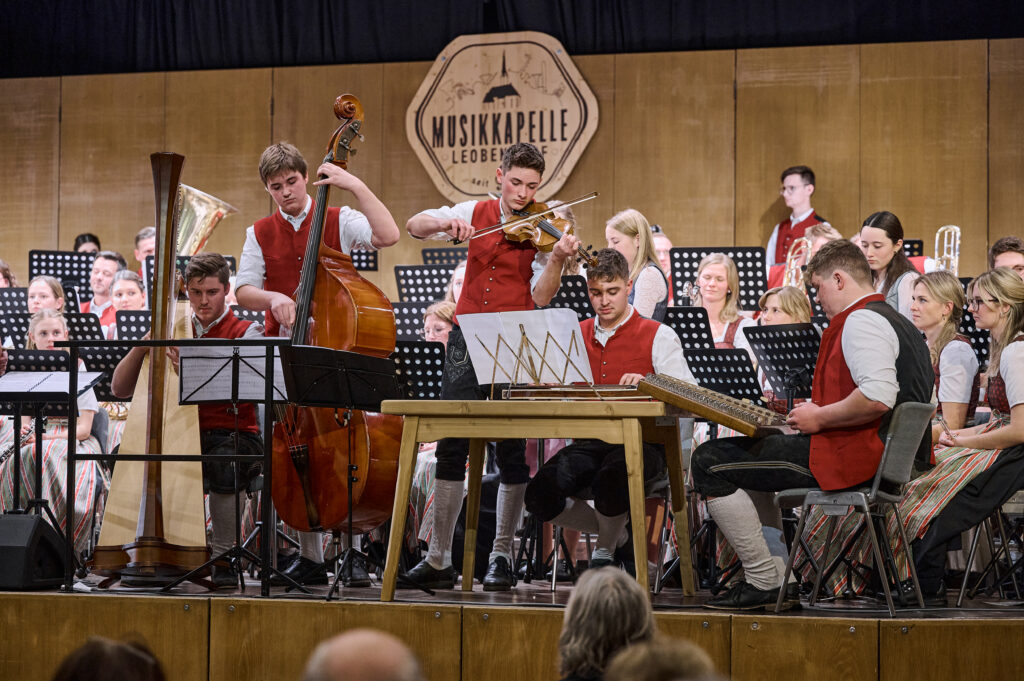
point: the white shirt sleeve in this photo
(252, 269)
(1011, 368)
(667, 355)
(87, 401)
(957, 366)
(354, 231)
(255, 330)
(649, 290)
(461, 211)
(870, 347)
(904, 293)
(741, 342)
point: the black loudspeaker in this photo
(31, 553)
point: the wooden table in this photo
(619, 422)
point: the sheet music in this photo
(526, 347)
(205, 374)
(45, 382)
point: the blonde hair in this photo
(55, 288)
(1007, 288)
(943, 287)
(449, 294)
(443, 309)
(792, 300)
(37, 319)
(731, 310)
(607, 611)
(823, 229)
(659, 659)
(633, 224)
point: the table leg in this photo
(403, 486)
(476, 472)
(635, 479)
(681, 521)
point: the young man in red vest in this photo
(206, 278)
(101, 279)
(501, 275)
(271, 264)
(871, 359)
(622, 347)
(797, 188)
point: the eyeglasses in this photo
(433, 331)
(975, 303)
(783, 190)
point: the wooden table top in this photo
(532, 408)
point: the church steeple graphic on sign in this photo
(504, 89)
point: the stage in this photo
(201, 635)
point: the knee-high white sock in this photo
(738, 521)
(577, 515)
(222, 517)
(447, 504)
(610, 531)
(509, 512)
(311, 546)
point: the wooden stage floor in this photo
(501, 637)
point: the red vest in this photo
(841, 457)
(788, 233)
(627, 352)
(283, 250)
(218, 415)
(776, 276)
(728, 341)
(498, 271)
(108, 317)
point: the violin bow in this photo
(533, 216)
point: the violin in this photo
(537, 224)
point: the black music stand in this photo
(13, 299)
(787, 354)
(364, 261)
(132, 324)
(749, 264)
(69, 267)
(573, 294)
(913, 247)
(409, 319)
(336, 379)
(244, 313)
(422, 283)
(692, 326)
(420, 367)
(40, 380)
(81, 326)
(444, 256)
(219, 374)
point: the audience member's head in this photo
(7, 277)
(607, 611)
(1007, 252)
(718, 286)
(454, 290)
(127, 291)
(362, 655)
(145, 243)
(438, 320)
(45, 292)
(87, 243)
(660, 659)
(784, 305)
(101, 659)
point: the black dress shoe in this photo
(746, 596)
(499, 575)
(355, 575)
(224, 577)
(303, 571)
(907, 598)
(426, 575)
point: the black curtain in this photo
(67, 37)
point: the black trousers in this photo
(218, 474)
(588, 464)
(770, 464)
(459, 383)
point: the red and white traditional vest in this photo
(788, 233)
(995, 394)
(627, 352)
(498, 271)
(219, 415)
(283, 250)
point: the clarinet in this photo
(8, 451)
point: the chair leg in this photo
(910, 556)
(880, 565)
(790, 561)
(832, 520)
(970, 563)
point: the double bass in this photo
(317, 448)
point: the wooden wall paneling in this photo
(41, 629)
(797, 106)
(406, 189)
(488, 631)
(30, 135)
(841, 648)
(596, 169)
(923, 140)
(110, 126)
(220, 122)
(674, 143)
(304, 115)
(272, 639)
(950, 650)
(713, 633)
(1006, 139)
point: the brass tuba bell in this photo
(198, 213)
